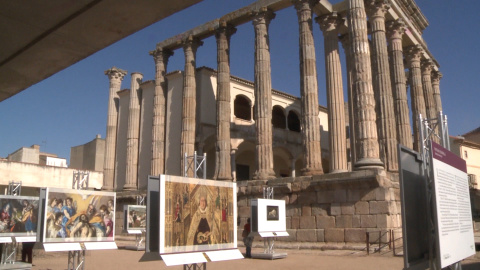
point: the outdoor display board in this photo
(455, 239)
(136, 217)
(78, 216)
(268, 215)
(18, 215)
(196, 215)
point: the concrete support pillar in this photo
(365, 116)
(436, 76)
(115, 76)
(335, 101)
(308, 91)
(395, 31)
(223, 170)
(158, 128)
(189, 101)
(263, 97)
(413, 55)
(345, 40)
(133, 132)
(382, 85)
(427, 66)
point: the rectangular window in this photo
(465, 154)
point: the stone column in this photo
(345, 40)
(426, 66)
(413, 54)
(436, 76)
(158, 128)
(189, 101)
(263, 97)
(133, 132)
(292, 162)
(223, 170)
(233, 165)
(395, 30)
(308, 91)
(115, 76)
(335, 102)
(382, 85)
(365, 127)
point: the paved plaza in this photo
(296, 259)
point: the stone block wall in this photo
(332, 208)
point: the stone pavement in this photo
(296, 259)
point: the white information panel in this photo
(22, 239)
(100, 245)
(268, 216)
(273, 234)
(5, 239)
(184, 258)
(453, 211)
(61, 246)
(134, 231)
(224, 255)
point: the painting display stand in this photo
(139, 240)
(269, 246)
(9, 252)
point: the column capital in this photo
(263, 16)
(192, 42)
(225, 28)
(427, 66)
(115, 73)
(395, 29)
(436, 76)
(413, 53)
(376, 9)
(304, 4)
(329, 22)
(161, 54)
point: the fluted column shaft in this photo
(436, 76)
(263, 97)
(335, 102)
(365, 116)
(189, 101)
(345, 40)
(223, 169)
(413, 54)
(382, 85)
(158, 128)
(133, 132)
(308, 91)
(115, 77)
(402, 112)
(426, 66)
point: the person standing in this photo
(247, 239)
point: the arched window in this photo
(241, 108)
(278, 117)
(293, 121)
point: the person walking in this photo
(247, 239)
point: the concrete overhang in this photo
(40, 38)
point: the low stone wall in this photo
(332, 208)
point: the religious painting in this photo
(196, 214)
(79, 216)
(268, 215)
(272, 212)
(18, 215)
(136, 217)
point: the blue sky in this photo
(70, 107)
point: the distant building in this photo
(89, 156)
(467, 147)
(33, 155)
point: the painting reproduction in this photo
(196, 214)
(272, 212)
(137, 217)
(18, 216)
(79, 216)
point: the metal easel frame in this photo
(430, 129)
(9, 251)
(268, 242)
(140, 238)
(76, 258)
(197, 164)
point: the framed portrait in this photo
(268, 215)
(78, 216)
(196, 215)
(18, 215)
(136, 217)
